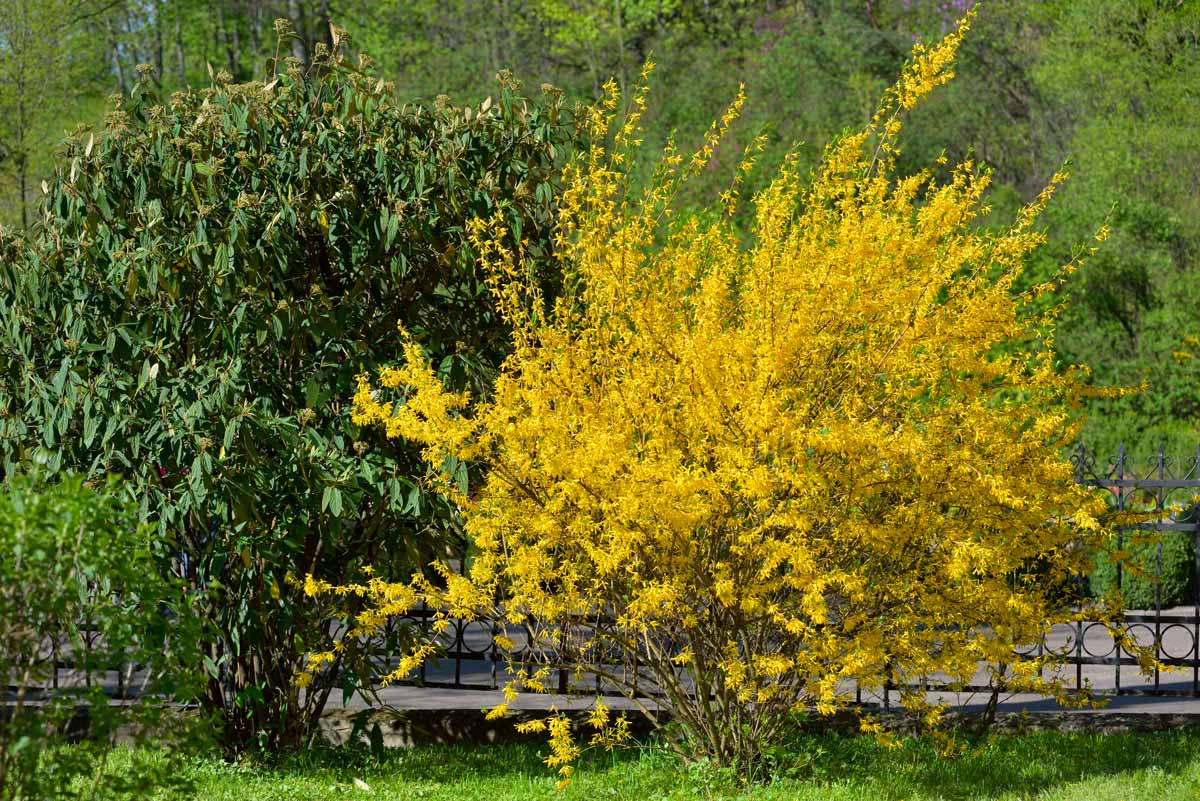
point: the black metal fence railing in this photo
(1086, 654)
(1164, 489)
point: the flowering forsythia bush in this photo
(762, 470)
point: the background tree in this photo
(45, 61)
(1126, 75)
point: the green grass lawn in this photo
(1079, 767)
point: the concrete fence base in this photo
(415, 727)
(408, 728)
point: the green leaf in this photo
(210, 666)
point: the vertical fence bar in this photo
(88, 639)
(1195, 473)
(493, 653)
(1079, 656)
(460, 638)
(1159, 508)
(1041, 652)
(1120, 545)
(597, 652)
(562, 671)
(1081, 479)
(422, 618)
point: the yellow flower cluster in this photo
(825, 459)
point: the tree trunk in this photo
(225, 41)
(254, 16)
(118, 64)
(22, 153)
(158, 42)
(299, 20)
(180, 56)
(621, 71)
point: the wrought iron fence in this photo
(1086, 654)
(1164, 487)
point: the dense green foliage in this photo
(1108, 87)
(205, 278)
(1144, 578)
(1046, 765)
(78, 585)
(1126, 78)
(1151, 576)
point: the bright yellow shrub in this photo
(832, 454)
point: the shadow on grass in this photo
(441, 764)
(1025, 764)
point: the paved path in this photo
(471, 700)
(1179, 640)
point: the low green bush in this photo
(78, 586)
(1139, 571)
